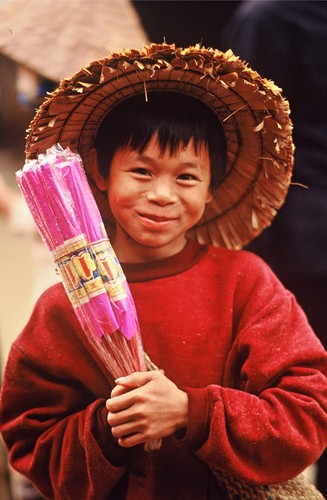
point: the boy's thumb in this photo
(136, 379)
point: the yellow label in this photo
(70, 246)
(89, 270)
(110, 270)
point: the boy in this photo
(177, 144)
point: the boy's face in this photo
(156, 199)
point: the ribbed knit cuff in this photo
(116, 455)
(199, 417)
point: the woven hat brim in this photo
(254, 114)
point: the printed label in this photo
(78, 269)
(110, 269)
(89, 270)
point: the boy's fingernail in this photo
(119, 380)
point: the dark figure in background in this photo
(287, 42)
(185, 22)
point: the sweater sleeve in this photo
(53, 416)
(268, 421)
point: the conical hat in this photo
(252, 110)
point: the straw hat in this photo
(252, 110)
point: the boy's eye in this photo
(141, 171)
(187, 177)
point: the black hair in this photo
(175, 117)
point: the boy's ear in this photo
(102, 184)
(209, 196)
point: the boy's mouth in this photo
(155, 221)
(156, 218)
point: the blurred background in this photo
(43, 41)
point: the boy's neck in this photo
(128, 251)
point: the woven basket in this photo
(298, 488)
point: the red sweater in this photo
(222, 327)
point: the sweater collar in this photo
(175, 264)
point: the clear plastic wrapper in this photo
(63, 207)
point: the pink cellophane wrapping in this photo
(63, 207)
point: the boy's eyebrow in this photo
(189, 164)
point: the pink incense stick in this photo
(106, 259)
(63, 207)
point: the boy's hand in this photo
(146, 406)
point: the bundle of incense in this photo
(63, 207)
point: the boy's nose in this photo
(162, 193)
